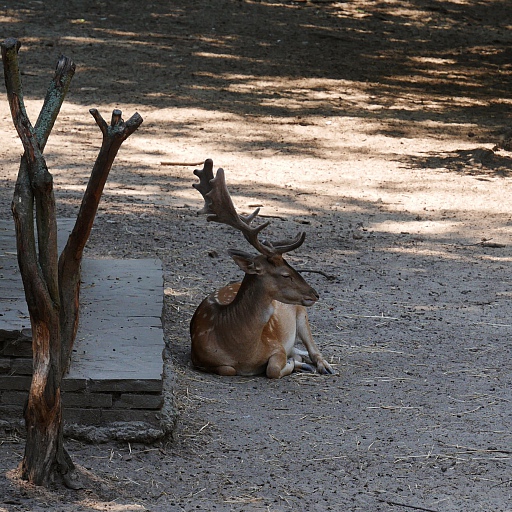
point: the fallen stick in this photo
(327, 276)
(389, 502)
(184, 164)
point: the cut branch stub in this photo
(113, 137)
(118, 128)
(55, 94)
(11, 43)
(116, 117)
(10, 48)
(99, 121)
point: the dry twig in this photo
(183, 164)
(405, 505)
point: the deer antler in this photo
(219, 207)
(205, 175)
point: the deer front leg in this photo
(279, 366)
(304, 334)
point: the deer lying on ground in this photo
(250, 328)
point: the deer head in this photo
(281, 281)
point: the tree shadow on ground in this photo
(482, 163)
(327, 59)
(338, 227)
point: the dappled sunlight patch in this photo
(227, 56)
(433, 74)
(443, 61)
(13, 18)
(74, 188)
(305, 92)
(416, 252)
(79, 21)
(449, 252)
(119, 189)
(83, 40)
(496, 258)
(429, 227)
(111, 506)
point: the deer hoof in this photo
(325, 368)
(304, 367)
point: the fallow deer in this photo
(250, 328)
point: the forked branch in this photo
(113, 136)
(70, 259)
(34, 180)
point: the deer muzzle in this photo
(310, 298)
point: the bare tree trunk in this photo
(52, 285)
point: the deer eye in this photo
(286, 275)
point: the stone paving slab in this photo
(117, 373)
(120, 333)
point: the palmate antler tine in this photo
(219, 200)
(289, 245)
(249, 218)
(205, 176)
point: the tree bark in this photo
(33, 193)
(51, 284)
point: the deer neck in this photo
(252, 306)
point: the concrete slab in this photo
(120, 334)
(119, 344)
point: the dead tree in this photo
(51, 284)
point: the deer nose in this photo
(310, 298)
(313, 295)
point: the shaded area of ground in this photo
(371, 126)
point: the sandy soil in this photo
(370, 125)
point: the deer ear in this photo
(245, 261)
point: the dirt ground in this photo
(371, 126)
